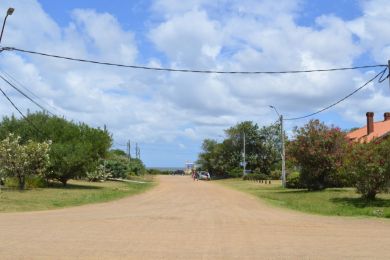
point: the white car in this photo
(203, 176)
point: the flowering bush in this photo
(293, 181)
(19, 161)
(100, 174)
(369, 167)
(320, 151)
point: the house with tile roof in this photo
(372, 130)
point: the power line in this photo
(381, 79)
(189, 70)
(20, 112)
(16, 82)
(25, 95)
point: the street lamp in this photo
(243, 155)
(283, 149)
(10, 11)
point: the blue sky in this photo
(169, 114)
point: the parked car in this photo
(202, 175)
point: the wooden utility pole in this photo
(388, 68)
(129, 149)
(283, 154)
(243, 154)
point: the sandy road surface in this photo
(182, 219)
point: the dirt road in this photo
(182, 219)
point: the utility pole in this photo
(388, 68)
(128, 149)
(244, 171)
(283, 153)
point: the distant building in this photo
(190, 166)
(372, 130)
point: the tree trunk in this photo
(64, 181)
(22, 182)
(370, 195)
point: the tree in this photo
(136, 167)
(117, 165)
(213, 159)
(120, 166)
(76, 148)
(319, 151)
(369, 165)
(224, 159)
(118, 152)
(20, 161)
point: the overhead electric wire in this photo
(16, 82)
(20, 112)
(25, 95)
(188, 70)
(381, 79)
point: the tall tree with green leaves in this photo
(76, 148)
(320, 151)
(369, 167)
(262, 152)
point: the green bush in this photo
(319, 151)
(235, 173)
(31, 182)
(255, 177)
(340, 179)
(276, 175)
(158, 172)
(293, 181)
(75, 147)
(118, 167)
(100, 174)
(35, 182)
(11, 183)
(370, 168)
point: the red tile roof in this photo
(381, 129)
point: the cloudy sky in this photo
(169, 114)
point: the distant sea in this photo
(166, 168)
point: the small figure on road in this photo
(193, 174)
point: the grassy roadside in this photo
(331, 202)
(74, 194)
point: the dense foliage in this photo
(101, 173)
(319, 151)
(75, 150)
(293, 181)
(369, 167)
(121, 166)
(256, 177)
(224, 159)
(22, 160)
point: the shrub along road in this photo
(184, 219)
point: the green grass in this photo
(331, 202)
(74, 194)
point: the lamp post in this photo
(243, 155)
(283, 149)
(10, 11)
